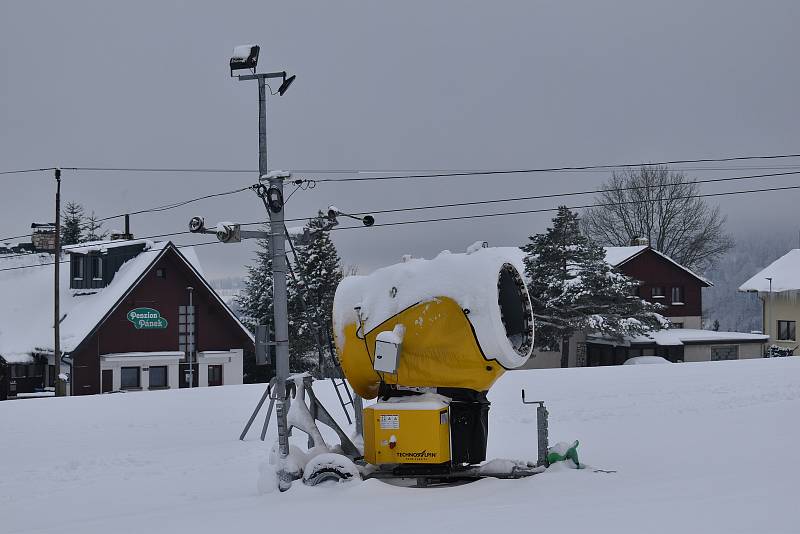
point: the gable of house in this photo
(662, 280)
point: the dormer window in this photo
(77, 267)
(97, 267)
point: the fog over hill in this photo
(735, 311)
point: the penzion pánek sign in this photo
(147, 319)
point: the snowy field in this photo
(702, 447)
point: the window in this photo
(130, 378)
(19, 371)
(657, 292)
(786, 330)
(635, 290)
(676, 325)
(677, 295)
(77, 267)
(158, 377)
(97, 267)
(724, 352)
(161, 273)
(214, 375)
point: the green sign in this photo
(147, 319)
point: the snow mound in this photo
(645, 359)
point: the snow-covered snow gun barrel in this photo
(456, 321)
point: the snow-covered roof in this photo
(683, 336)
(26, 317)
(785, 274)
(616, 256)
(105, 245)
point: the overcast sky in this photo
(397, 86)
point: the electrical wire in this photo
(544, 210)
(552, 169)
(164, 207)
(572, 193)
(203, 243)
(431, 206)
(20, 171)
(432, 175)
(485, 215)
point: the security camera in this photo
(229, 232)
(197, 225)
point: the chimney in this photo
(127, 234)
(639, 241)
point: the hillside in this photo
(704, 447)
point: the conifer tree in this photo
(255, 303)
(573, 288)
(94, 229)
(73, 224)
(318, 271)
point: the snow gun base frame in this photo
(433, 475)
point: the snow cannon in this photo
(430, 337)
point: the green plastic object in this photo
(569, 453)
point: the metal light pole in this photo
(247, 57)
(768, 313)
(191, 347)
(56, 285)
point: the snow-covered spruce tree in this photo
(72, 224)
(572, 288)
(318, 271)
(255, 303)
(94, 229)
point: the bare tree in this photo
(664, 208)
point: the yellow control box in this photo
(407, 431)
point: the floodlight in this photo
(286, 83)
(197, 225)
(245, 57)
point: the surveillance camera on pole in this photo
(197, 225)
(229, 232)
(334, 212)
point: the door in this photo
(108, 380)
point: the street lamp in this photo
(768, 317)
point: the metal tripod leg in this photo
(255, 413)
(267, 418)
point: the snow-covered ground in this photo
(696, 447)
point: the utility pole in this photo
(56, 285)
(280, 297)
(272, 197)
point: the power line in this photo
(174, 205)
(573, 193)
(20, 171)
(476, 216)
(107, 255)
(164, 207)
(552, 169)
(455, 173)
(543, 210)
(431, 206)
